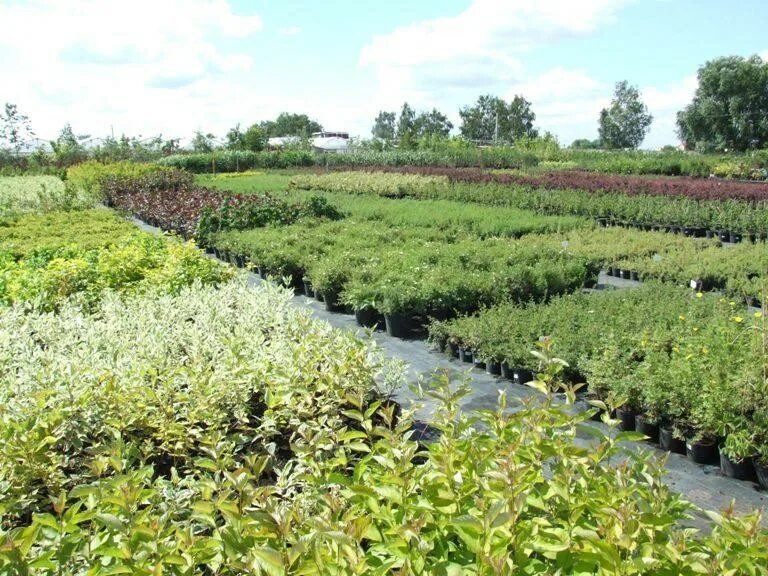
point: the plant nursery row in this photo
(686, 369)
(545, 155)
(203, 426)
(684, 212)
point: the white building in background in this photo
(330, 141)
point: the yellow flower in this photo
(732, 303)
(682, 317)
(758, 314)
(699, 294)
(738, 319)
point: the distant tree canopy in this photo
(287, 124)
(626, 121)
(730, 107)
(252, 139)
(492, 118)
(410, 127)
(585, 144)
(384, 126)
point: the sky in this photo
(172, 67)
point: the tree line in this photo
(729, 112)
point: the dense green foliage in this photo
(626, 121)
(730, 108)
(90, 176)
(50, 259)
(694, 363)
(657, 210)
(25, 235)
(19, 194)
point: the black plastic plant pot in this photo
(308, 289)
(647, 427)
(752, 237)
(702, 451)
(493, 367)
(332, 303)
(634, 276)
(735, 237)
(609, 271)
(465, 354)
(452, 350)
(261, 272)
(369, 317)
(401, 325)
(724, 235)
(217, 253)
(209, 250)
(521, 376)
(742, 470)
(318, 296)
(240, 260)
(626, 419)
(506, 371)
(668, 442)
(603, 222)
(478, 362)
(675, 229)
(762, 474)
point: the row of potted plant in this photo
(404, 275)
(685, 369)
(695, 214)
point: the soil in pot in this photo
(668, 442)
(647, 427)
(369, 317)
(702, 451)
(493, 367)
(743, 470)
(627, 419)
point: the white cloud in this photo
(143, 66)
(479, 49)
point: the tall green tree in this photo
(406, 126)
(202, 142)
(254, 138)
(730, 107)
(289, 124)
(491, 118)
(235, 138)
(384, 126)
(626, 121)
(15, 128)
(69, 148)
(432, 123)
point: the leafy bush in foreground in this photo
(497, 493)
